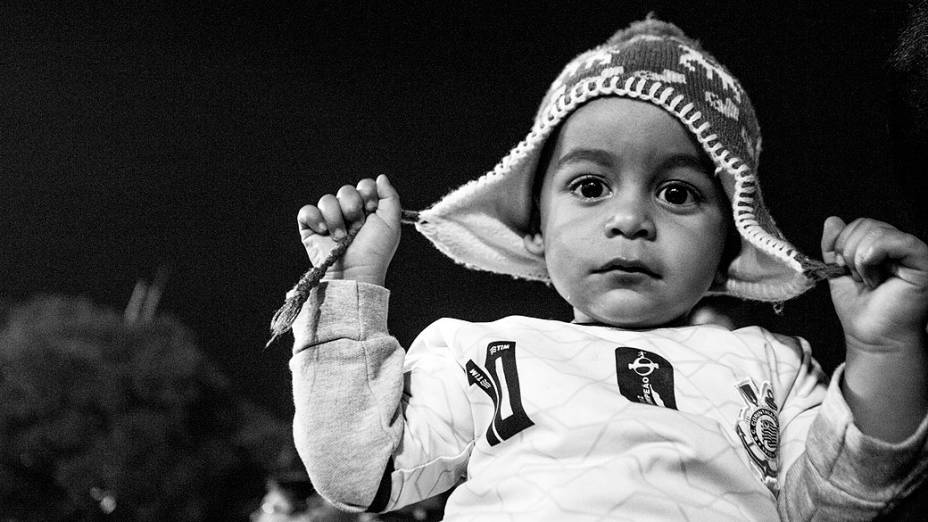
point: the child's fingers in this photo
(352, 206)
(886, 251)
(389, 198)
(847, 245)
(310, 221)
(866, 255)
(367, 188)
(832, 227)
(848, 237)
(874, 250)
(331, 211)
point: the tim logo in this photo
(644, 377)
(500, 381)
(758, 428)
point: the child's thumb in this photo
(830, 232)
(389, 198)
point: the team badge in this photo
(758, 428)
(644, 377)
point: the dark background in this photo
(135, 135)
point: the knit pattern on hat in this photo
(482, 223)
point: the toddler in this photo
(635, 195)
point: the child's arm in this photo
(347, 369)
(375, 428)
(883, 308)
(866, 446)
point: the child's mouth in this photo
(627, 266)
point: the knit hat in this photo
(482, 223)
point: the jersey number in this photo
(501, 383)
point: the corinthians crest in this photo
(759, 429)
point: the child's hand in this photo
(883, 304)
(372, 206)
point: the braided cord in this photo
(283, 319)
(819, 271)
(297, 296)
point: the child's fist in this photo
(373, 209)
(885, 297)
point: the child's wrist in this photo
(899, 344)
(361, 276)
(886, 390)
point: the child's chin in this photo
(641, 316)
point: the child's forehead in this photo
(616, 117)
(608, 129)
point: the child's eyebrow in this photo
(685, 160)
(606, 159)
(598, 156)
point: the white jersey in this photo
(544, 419)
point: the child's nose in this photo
(631, 219)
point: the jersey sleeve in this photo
(830, 470)
(373, 433)
(347, 384)
(439, 423)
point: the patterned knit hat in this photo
(481, 224)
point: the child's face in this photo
(632, 225)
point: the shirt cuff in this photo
(341, 309)
(857, 463)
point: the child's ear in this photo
(534, 243)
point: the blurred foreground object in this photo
(100, 419)
(143, 304)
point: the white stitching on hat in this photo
(748, 224)
(653, 89)
(664, 95)
(685, 110)
(694, 118)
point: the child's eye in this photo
(589, 187)
(678, 194)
